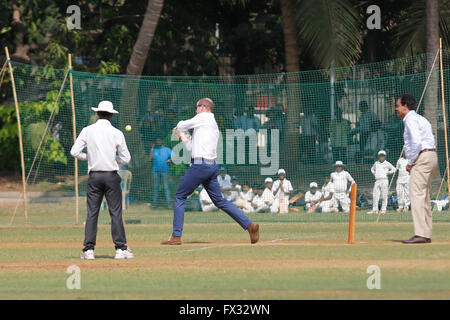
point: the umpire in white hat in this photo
(106, 149)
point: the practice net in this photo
(300, 122)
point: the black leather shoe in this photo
(417, 239)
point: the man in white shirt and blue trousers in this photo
(203, 170)
(420, 150)
(106, 149)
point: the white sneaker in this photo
(372, 212)
(88, 255)
(124, 254)
(383, 211)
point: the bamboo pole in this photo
(74, 130)
(19, 126)
(352, 216)
(444, 115)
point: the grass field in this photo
(293, 260)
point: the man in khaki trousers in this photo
(420, 150)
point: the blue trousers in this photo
(164, 178)
(205, 174)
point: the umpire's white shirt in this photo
(106, 147)
(205, 136)
(418, 135)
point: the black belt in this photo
(200, 160)
(115, 171)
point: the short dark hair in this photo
(104, 115)
(408, 100)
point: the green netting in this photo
(284, 105)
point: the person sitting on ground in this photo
(206, 202)
(245, 196)
(233, 194)
(313, 198)
(328, 203)
(224, 180)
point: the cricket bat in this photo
(282, 203)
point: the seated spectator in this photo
(233, 194)
(247, 120)
(245, 196)
(313, 198)
(206, 202)
(224, 180)
(328, 203)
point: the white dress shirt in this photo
(205, 137)
(418, 135)
(341, 180)
(381, 170)
(106, 147)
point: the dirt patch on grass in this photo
(176, 263)
(201, 245)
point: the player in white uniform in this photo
(281, 190)
(312, 198)
(245, 197)
(328, 202)
(381, 169)
(206, 202)
(224, 180)
(263, 200)
(402, 187)
(340, 178)
(233, 194)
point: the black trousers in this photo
(104, 184)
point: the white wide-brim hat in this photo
(281, 171)
(313, 185)
(268, 179)
(381, 153)
(339, 164)
(105, 106)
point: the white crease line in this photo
(297, 238)
(241, 244)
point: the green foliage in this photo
(331, 30)
(9, 139)
(109, 67)
(50, 151)
(36, 114)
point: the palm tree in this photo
(432, 40)
(145, 37)
(292, 64)
(129, 99)
(418, 31)
(330, 31)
